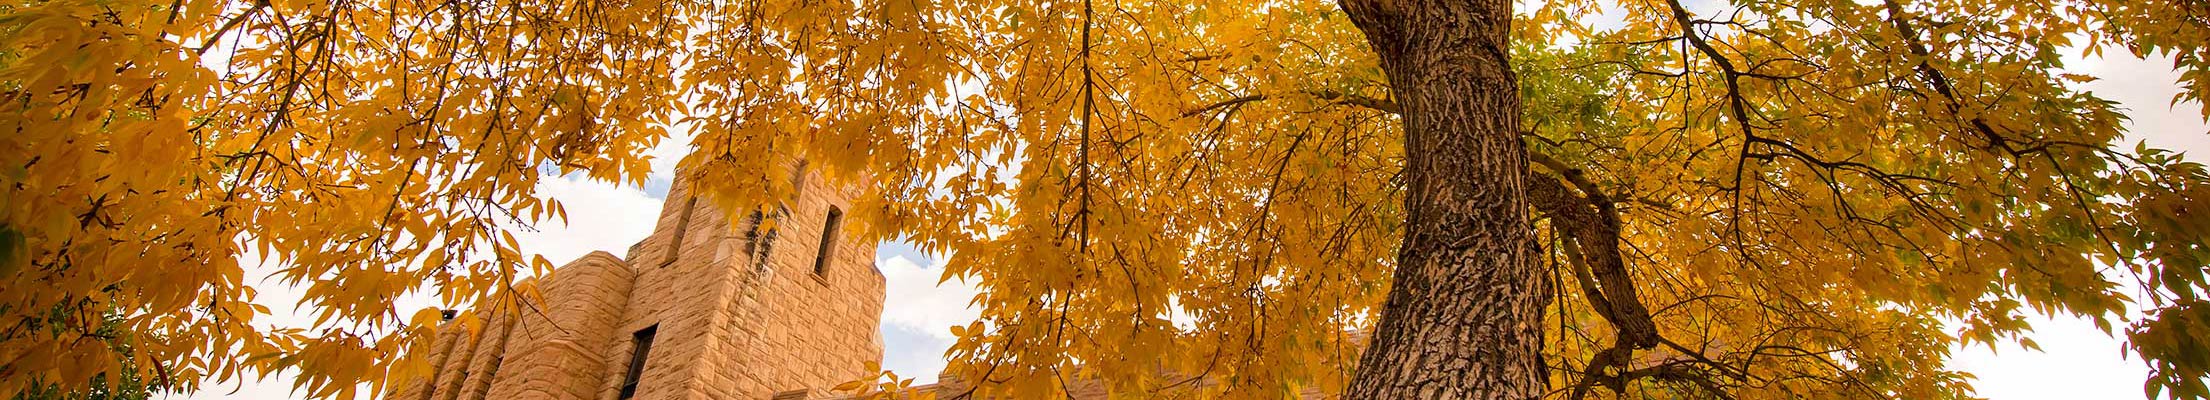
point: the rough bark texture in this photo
(1464, 317)
(1588, 226)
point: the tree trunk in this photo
(1464, 317)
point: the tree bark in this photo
(1464, 316)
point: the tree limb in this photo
(1382, 105)
(1591, 226)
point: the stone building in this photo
(700, 310)
(704, 308)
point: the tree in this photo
(1699, 200)
(127, 385)
(1464, 314)
(369, 151)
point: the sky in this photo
(2076, 360)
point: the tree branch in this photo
(1382, 105)
(1591, 224)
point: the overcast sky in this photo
(2076, 362)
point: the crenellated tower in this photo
(705, 308)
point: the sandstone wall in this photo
(557, 348)
(728, 325)
(787, 326)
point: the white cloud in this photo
(670, 151)
(914, 301)
(601, 216)
(2076, 361)
(2145, 87)
(918, 313)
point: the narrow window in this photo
(682, 225)
(637, 360)
(828, 241)
(759, 240)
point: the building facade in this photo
(704, 308)
(772, 306)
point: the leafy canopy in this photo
(1799, 193)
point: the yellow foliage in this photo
(1160, 193)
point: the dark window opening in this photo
(759, 239)
(637, 360)
(828, 241)
(682, 225)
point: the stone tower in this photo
(704, 308)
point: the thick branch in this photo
(1382, 105)
(1590, 224)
